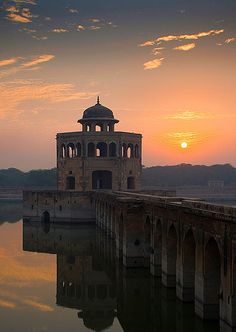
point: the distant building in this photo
(216, 185)
(98, 157)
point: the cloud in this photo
(15, 93)
(8, 62)
(190, 115)
(12, 9)
(60, 30)
(176, 138)
(7, 304)
(230, 40)
(29, 2)
(26, 13)
(40, 37)
(27, 30)
(93, 27)
(38, 60)
(157, 50)
(25, 64)
(80, 27)
(186, 47)
(73, 11)
(37, 305)
(153, 64)
(170, 38)
(19, 15)
(18, 18)
(193, 115)
(94, 20)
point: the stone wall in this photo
(58, 206)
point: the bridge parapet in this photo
(220, 210)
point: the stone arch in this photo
(91, 150)
(110, 127)
(113, 220)
(121, 233)
(234, 277)
(102, 180)
(112, 149)
(78, 149)
(212, 277)
(63, 151)
(147, 234)
(88, 127)
(189, 264)
(171, 256)
(130, 150)
(157, 248)
(124, 150)
(70, 150)
(136, 151)
(131, 183)
(70, 183)
(101, 149)
(98, 127)
(46, 217)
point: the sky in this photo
(166, 68)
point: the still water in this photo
(60, 278)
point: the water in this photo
(68, 279)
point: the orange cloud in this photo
(18, 18)
(26, 65)
(94, 20)
(38, 60)
(186, 47)
(18, 92)
(230, 40)
(60, 30)
(12, 9)
(157, 50)
(29, 2)
(182, 37)
(153, 64)
(37, 305)
(7, 304)
(80, 28)
(18, 300)
(8, 62)
(190, 115)
(191, 138)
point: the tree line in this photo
(178, 175)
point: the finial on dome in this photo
(98, 100)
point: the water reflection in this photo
(90, 280)
(10, 211)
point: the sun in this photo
(184, 145)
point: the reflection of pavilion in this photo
(82, 287)
(81, 282)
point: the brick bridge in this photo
(190, 244)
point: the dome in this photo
(98, 111)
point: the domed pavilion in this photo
(98, 157)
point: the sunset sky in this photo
(167, 69)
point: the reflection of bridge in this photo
(190, 244)
(90, 280)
